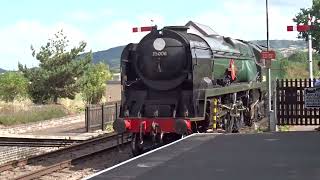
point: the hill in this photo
(283, 44)
(2, 70)
(112, 56)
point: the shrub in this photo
(12, 86)
(93, 83)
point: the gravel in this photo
(97, 163)
(38, 126)
(10, 153)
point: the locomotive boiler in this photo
(175, 83)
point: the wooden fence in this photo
(98, 116)
(290, 103)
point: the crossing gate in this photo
(291, 106)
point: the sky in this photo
(105, 24)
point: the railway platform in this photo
(264, 156)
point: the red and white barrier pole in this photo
(306, 28)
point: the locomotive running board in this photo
(232, 89)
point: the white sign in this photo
(312, 97)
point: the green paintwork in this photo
(225, 49)
(246, 69)
(233, 88)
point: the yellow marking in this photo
(264, 78)
(214, 115)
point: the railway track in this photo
(36, 142)
(37, 166)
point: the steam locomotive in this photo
(175, 83)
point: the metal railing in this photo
(99, 116)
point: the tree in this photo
(302, 18)
(58, 71)
(12, 86)
(93, 83)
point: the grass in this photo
(73, 106)
(109, 128)
(24, 111)
(31, 114)
(284, 128)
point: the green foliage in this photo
(58, 71)
(284, 128)
(12, 86)
(299, 57)
(296, 70)
(302, 18)
(296, 66)
(93, 83)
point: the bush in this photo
(296, 70)
(12, 86)
(93, 83)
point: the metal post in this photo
(273, 125)
(310, 50)
(116, 112)
(270, 112)
(87, 118)
(102, 116)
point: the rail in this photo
(36, 142)
(65, 157)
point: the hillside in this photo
(112, 56)
(281, 44)
(2, 70)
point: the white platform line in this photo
(132, 159)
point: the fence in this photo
(290, 101)
(99, 116)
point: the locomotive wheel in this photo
(238, 122)
(229, 122)
(135, 146)
(233, 124)
(247, 119)
(203, 126)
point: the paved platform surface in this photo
(287, 155)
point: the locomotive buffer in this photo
(290, 155)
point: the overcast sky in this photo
(105, 24)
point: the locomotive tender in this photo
(176, 83)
